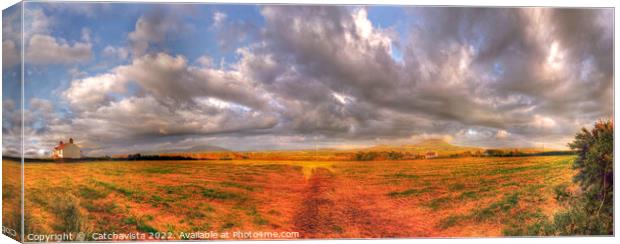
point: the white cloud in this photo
(219, 18)
(543, 122)
(11, 24)
(90, 92)
(160, 74)
(342, 98)
(152, 28)
(41, 47)
(205, 61)
(86, 32)
(116, 52)
(10, 56)
(77, 73)
(44, 49)
(36, 22)
(502, 134)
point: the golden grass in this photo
(417, 198)
(11, 197)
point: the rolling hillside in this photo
(378, 152)
(437, 145)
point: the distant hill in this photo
(527, 149)
(437, 145)
(378, 152)
(434, 143)
(194, 149)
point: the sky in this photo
(137, 77)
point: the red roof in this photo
(61, 146)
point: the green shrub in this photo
(591, 211)
(595, 162)
(561, 193)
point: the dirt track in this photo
(324, 214)
(314, 217)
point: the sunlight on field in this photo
(308, 167)
(441, 197)
(11, 194)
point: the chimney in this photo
(71, 140)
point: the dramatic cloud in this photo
(319, 59)
(331, 75)
(170, 80)
(172, 99)
(507, 71)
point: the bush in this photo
(590, 212)
(595, 162)
(595, 167)
(561, 193)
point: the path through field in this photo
(315, 216)
(324, 213)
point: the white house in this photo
(66, 150)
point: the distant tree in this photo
(494, 152)
(366, 156)
(392, 155)
(136, 156)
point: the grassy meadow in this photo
(448, 197)
(11, 200)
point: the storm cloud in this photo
(329, 75)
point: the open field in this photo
(319, 199)
(11, 198)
